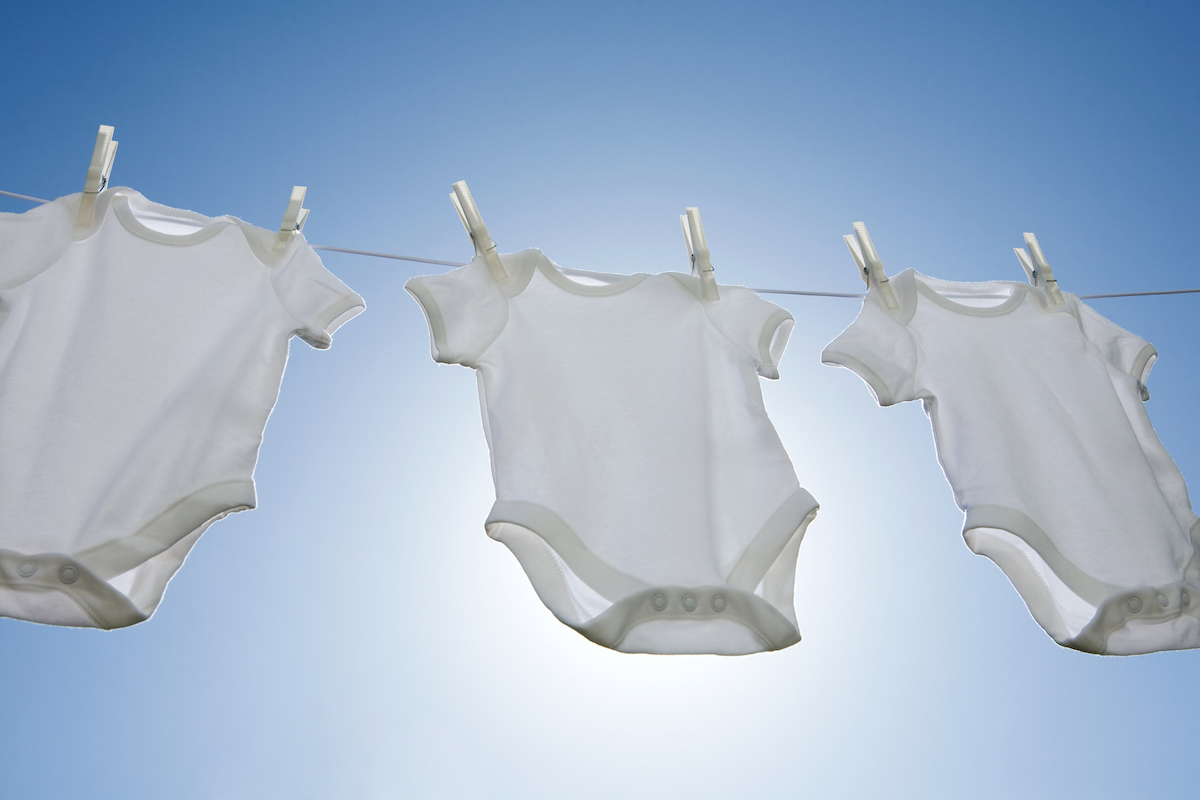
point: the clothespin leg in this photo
(701, 259)
(1045, 275)
(294, 218)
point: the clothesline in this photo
(23, 197)
(798, 292)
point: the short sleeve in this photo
(755, 326)
(1126, 351)
(879, 349)
(465, 310)
(32, 241)
(313, 296)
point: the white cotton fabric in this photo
(1040, 427)
(139, 360)
(638, 479)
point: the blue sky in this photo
(359, 636)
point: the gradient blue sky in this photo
(359, 636)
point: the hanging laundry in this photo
(1036, 404)
(140, 356)
(639, 482)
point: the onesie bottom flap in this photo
(615, 610)
(55, 589)
(119, 582)
(709, 619)
(1120, 621)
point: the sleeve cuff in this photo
(433, 318)
(874, 382)
(773, 341)
(1143, 363)
(1141, 369)
(320, 335)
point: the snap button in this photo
(1162, 600)
(1134, 604)
(27, 569)
(689, 602)
(659, 601)
(68, 574)
(1185, 599)
(718, 603)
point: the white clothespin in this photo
(293, 219)
(468, 212)
(97, 175)
(698, 253)
(1037, 270)
(869, 265)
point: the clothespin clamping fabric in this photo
(698, 253)
(468, 212)
(870, 267)
(1037, 270)
(293, 219)
(97, 175)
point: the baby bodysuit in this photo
(638, 479)
(139, 359)
(1040, 427)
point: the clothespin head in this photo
(99, 168)
(701, 259)
(871, 265)
(1042, 273)
(468, 212)
(293, 219)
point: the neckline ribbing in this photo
(926, 287)
(554, 274)
(210, 227)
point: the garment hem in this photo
(1142, 364)
(435, 320)
(692, 603)
(335, 315)
(635, 601)
(84, 576)
(106, 607)
(878, 386)
(1115, 606)
(767, 366)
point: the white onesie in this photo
(638, 479)
(1041, 430)
(139, 359)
